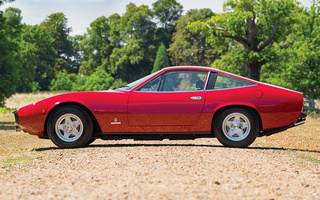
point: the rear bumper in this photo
(301, 120)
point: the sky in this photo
(80, 13)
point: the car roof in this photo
(208, 69)
(188, 67)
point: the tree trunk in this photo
(254, 70)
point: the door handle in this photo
(197, 98)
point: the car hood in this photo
(88, 99)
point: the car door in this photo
(175, 98)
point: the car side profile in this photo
(174, 103)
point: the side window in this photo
(225, 82)
(183, 81)
(152, 85)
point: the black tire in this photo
(69, 127)
(236, 127)
(90, 141)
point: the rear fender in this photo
(244, 105)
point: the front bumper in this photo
(16, 117)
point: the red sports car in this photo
(173, 103)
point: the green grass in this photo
(4, 110)
(10, 162)
(301, 142)
(313, 157)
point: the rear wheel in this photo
(236, 127)
(69, 127)
(90, 141)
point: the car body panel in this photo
(133, 111)
(165, 108)
(279, 107)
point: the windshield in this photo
(135, 83)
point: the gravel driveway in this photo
(127, 169)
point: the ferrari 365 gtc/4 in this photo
(173, 103)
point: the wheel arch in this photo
(222, 109)
(96, 126)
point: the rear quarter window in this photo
(227, 82)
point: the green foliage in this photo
(4, 110)
(189, 48)
(99, 80)
(298, 60)
(161, 59)
(62, 82)
(35, 87)
(4, 1)
(134, 58)
(249, 27)
(118, 83)
(233, 61)
(9, 68)
(122, 45)
(37, 57)
(98, 43)
(56, 26)
(166, 12)
(76, 52)
(275, 37)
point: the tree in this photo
(99, 80)
(135, 57)
(62, 82)
(122, 45)
(251, 27)
(56, 25)
(188, 48)
(99, 42)
(161, 59)
(9, 29)
(3, 1)
(37, 57)
(299, 56)
(76, 53)
(166, 12)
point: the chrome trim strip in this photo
(233, 87)
(208, 76)
(197, 90)
(136, 89)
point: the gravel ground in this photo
(127, 169)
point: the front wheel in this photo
(69, 127)
(236, 127)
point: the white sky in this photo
(81, 13)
